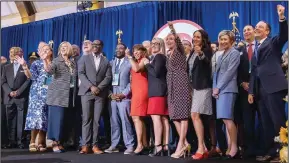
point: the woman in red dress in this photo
(139, 100)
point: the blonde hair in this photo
(70, 50)
(228, 33)
(162, 44)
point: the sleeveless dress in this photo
(139, 90)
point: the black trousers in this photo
(4, 131)
(272, 110)
(15, 123)
(245, 115)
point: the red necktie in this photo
(250, 51)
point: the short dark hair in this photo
(250, 25)
(122, 45)
(100, 41)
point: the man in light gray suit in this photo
(94, 72)
(120, 103)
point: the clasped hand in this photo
(13, 94)
(94, 90)
(117, 97)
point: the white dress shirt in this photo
(96, 59)
(121, 61)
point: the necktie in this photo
(117, 66)
(250, 51)
(256, 50)
(151, 58)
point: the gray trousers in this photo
(120, 122)
(91, 111)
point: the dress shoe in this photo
(11, 146)
(21, 146)
(111, 150)
(84, 150)
(264, 158)
(275, 160)
(229, 157)
(96, 150)
(4, 146)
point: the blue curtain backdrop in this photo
(138, 21)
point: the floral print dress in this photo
(37, 109)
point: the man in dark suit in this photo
(245, 113)
(268, 85)
(15, 86)
(4, 137)
(95, 76)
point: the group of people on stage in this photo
(171, 81)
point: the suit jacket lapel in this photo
(260, 56)
(224, 56)
(10, 69)
(91, 56)
(113, 66)
(101, 63)
(122, 64)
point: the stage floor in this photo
(23, 156)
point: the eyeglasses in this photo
(155, 43)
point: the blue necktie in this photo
(257, 44)
(117, 66)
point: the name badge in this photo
(48, 80)
(115, 80)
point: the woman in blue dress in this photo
(225, 88)
(37, 114)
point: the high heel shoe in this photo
(154, 152)
(183, 153)
(189, 148)
(199, 156)
(141, 152)
(166, 152)
(229, 157)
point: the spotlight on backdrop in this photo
(84, 5)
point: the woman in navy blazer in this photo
(199, 70)
(225, 88)
(157, 107)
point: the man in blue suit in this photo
(268, 85)
(120, 103)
